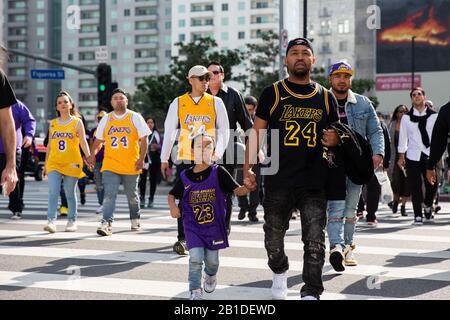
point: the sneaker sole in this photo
(180, 250)
(103, 233)
(209, 291)
(49, 230)
(351, 263)
(336, 261)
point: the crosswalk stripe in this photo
(248, 244)
(167, 289)
(158, 219)
(232, 262)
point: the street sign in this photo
(101, 53)
(47, 74)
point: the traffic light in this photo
(104, 87)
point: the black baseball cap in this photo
(118, 90)
(299, 42)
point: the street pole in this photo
(413, 61)
(102, 30)
(305, 18)
(281, 27)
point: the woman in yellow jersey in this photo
(63, 159)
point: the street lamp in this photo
(413, 60)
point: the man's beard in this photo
(340, 91)
(300, 74)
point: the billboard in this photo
(428, 21)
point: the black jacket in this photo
(235, 105)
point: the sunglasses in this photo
(216, 72)
(203, 78)
(417, 94)
(401, 111)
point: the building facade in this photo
(138, 41)
(33, 27)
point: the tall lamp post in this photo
(413, 60)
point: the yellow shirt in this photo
(195, 119)
(121, 146)
(65, 155)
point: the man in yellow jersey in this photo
(189, 115)
(124, 135)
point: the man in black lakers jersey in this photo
(300, 110)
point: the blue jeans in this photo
(54, 185)
(111, 183)
(196, 258)
(99, 182)
(340, 233)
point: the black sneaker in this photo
(403, 211)
(252, 217)
(150, 203)
(427, 212)
(241, 214)
(180, 247)
(394, 206)
(83, 198)
(337, 259)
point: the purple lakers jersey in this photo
(204, 210)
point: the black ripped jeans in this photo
(278, 205)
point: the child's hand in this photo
(175, 213)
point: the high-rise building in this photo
(33, 27)
(233, 24)
(138, 40)
(339, 31)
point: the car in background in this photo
(35, 164)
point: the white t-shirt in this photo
(138, 122)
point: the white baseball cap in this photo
(198, 71)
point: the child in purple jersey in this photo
(202, 191)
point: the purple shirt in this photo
(99, 156)
(24, 121)
(204, 211)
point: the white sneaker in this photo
(135, 224)
(99, 210)
(349, 258)
(105, 229)
(16, 216)
(309, 298)
(196, 294)
(209, 283)
(71, 226)
(279, 286)
(50, 227)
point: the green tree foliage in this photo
(262, 67)
(156, 93)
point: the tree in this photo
(157, 92)
(262, 62)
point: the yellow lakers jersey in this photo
(195, 119)
(121, 145)
(65, 155)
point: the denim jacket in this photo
(362, 118)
